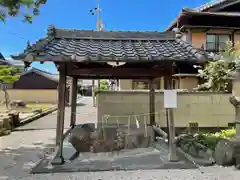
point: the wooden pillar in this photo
(99, 82)
(93, 93)
(172, 154)
(61, 111)
(73, 101)
(152, 101)
(167, 85)
(118, 87)
(70, 93)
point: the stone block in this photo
(15, 118)
(139, 138)
(18, 103)
(80, 138)
(7, 122)
(36, 111)
(224, 153)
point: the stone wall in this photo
(206, 109)
(28, 96)
(188, 83)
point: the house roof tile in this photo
(80, 45)
(53, 77)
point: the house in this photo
(37, 79)
(208, 27)
(10, 62)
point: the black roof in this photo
(1, 56)
(215, 5)
(84, 45)
(53, 77)
(211, 8)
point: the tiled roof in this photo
(1, 56)
(191, 12)
(53, 77)
(80, 45)
(205, 9)
(210, 4)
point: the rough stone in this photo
(80, 139)
(98, 142)
(7, 124)
(193, 151)
(138, 139)
(15, 118)
(37, 111)
(209, 152)
(18, 103)
(224, 153)
(184, 147)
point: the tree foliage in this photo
(104, 84)
(216, 73)
(25, 8)
(8, 75)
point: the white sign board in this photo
(170, 98)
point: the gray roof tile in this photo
(53, 77)
(78, 45)
(210, 4)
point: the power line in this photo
(21, 37)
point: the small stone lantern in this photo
(227, 152)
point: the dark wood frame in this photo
(145, 70)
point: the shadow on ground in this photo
(17, 163)
(81, 104)
(127, 159)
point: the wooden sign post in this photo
(170, 102)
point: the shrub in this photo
(209, 140)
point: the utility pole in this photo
(96, 11)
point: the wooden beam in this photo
(116, 72)
(209, 27)
(61, 111)
(73, 101)
(114, 77)
(152, 102)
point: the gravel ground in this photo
(21, 150)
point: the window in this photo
(216, 42)
(144, 84)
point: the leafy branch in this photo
(14, 8)
(8, 75)
(216, 73)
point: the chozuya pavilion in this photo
(85, 54)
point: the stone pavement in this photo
(21, 150)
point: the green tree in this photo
(216, 73)
(26, 8)
(8, 75)
(104, 84)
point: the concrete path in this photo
(85, 113)
(21, 150)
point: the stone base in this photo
(172, 157)
(227, 152)
(58, 160)
(110, 138)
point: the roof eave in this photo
(35, 70)
(174, 23)
(199, 59)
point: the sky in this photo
(124, 15)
